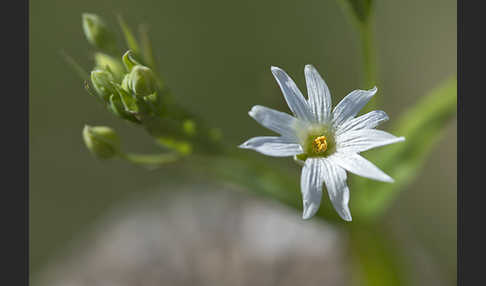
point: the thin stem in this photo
(375, 256)
(369, 59)
(151, 161)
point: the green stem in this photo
(375, 256)
(369, 59)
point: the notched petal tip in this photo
(309, 67)
(253, 110)
(383, 114)
(309, 211)
(347, 218)
(279, 73)
(345, 213)
(304, 217)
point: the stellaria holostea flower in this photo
(327, 143)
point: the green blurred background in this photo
(216, 57)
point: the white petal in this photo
(280, 122)
(351, 105)
(358, 165)
(319, 95)
(293, 96)
(369, 120)
(364, 139)
(311, 183)
(337, 189)
(273, 146)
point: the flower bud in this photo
(102, 141)
(141, 81)
(97, 33)
(101, 80)
(104, 61)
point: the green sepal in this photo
(75, 66)
(155, 103)
(129, 102)
(101, 80)
(129, 37)
(107, 62)
(129, 60)
(147, 53)
(117, 107)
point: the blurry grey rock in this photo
(199, 237)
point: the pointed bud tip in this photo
(129, 60)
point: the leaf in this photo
(422, 126)
(129, 37)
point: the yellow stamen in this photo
(320, 144)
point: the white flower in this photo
(327, 143)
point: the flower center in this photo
(317, 141)
(319, 145)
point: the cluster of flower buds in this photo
(130, 89)
(126, 86)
